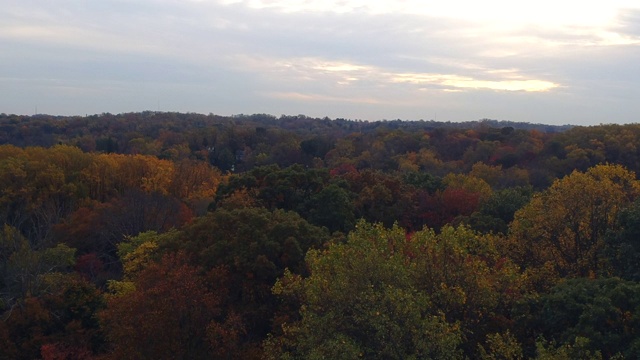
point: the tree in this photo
(316, 147)
(424, 181)
(57, 318)
(362, 300)
(445, 207)
(255, 245)
(497, 212)
(602, 311)
(24, 270)
(469, 280)
(490, 174)
(623, 244)
(470, 184)
(381, 197)
(564, 227)
(387, 294)
(577, 349)
(332, 208)
(274, 188)
(196, 183)
(171, 311)
(501, 346)
(40, 187)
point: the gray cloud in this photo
(629, 22)
(76, 57)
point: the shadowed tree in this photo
(171, 310)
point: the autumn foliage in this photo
(187, 236)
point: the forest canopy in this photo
(167, 235)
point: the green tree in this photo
(332, 208)
(602, 311)
(379, 290)
(497, 212)
(623, 244)
(24, 271)
(501, 347)
(577, 349)
(363, 300)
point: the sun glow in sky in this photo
(538, 61)
(550, 12)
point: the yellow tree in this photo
(158, 174)
(39, 187)
(102, 174)
(108, 175)
(196, 183)
(491, 174)
(562, 229)
(469, 183)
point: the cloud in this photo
(457, 83)
(321, 98)
(392, 58)
(628, 23)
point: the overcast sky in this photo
(554, 62)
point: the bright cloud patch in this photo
(461, 82)
(343, 73)
(337, 67)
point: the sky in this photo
(551, 62)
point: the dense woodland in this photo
(186, 236)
